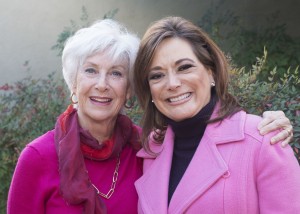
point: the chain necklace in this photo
(113, 184)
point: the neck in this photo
(100, 130)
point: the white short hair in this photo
(104, 36)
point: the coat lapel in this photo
(207, 165)
(152, 187)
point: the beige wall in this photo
(29, 28)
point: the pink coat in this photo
(234, 170)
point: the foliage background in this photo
(261, 80)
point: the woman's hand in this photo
(276, 120)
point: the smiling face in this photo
(180, 85)
(101, 89)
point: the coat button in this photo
(226, 174)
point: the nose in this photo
(173, 81)
(102, 83)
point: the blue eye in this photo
(116, 73)
(90, 70)
(185, 67)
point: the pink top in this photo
(35, 183)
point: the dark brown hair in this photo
(207, 52)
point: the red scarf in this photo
(73, 144)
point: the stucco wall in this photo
(30, 28)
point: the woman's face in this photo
(101, 88)
(180, 85)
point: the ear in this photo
(211, 76)
(73, 89)
(129, 93)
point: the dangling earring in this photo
(213, 84)
(71, 98)
(131, 103)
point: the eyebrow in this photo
(119, 66)
(96, 65)
(156, 68)
(184, 59)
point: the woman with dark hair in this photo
(203, 153)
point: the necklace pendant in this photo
(113, 184)
(108, 195)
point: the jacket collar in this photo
(206, 167)
(228, 130)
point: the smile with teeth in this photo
(101, 100)
(179, 98)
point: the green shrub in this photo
(28, 109)
(135, 112)
(257, 95)
(244, 44)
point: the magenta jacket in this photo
(235, 170)
(35, 185)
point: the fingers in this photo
(276, 120)
(270, 116)
(286, 141)
(285, 135)
(272, 125)
(289, 131)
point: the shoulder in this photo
(272, 165)
(40, 150)
(35, 177)
(44, 144)
(155, 149)
(250, 128)
(267, 153)
(240, 127)
(252, 134)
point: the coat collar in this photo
(156, 179)
(206, 167)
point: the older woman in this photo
(88, 163)
(206, 154)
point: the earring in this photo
(71, 98)
(213, 84)
(131, 103)
(152, 101)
